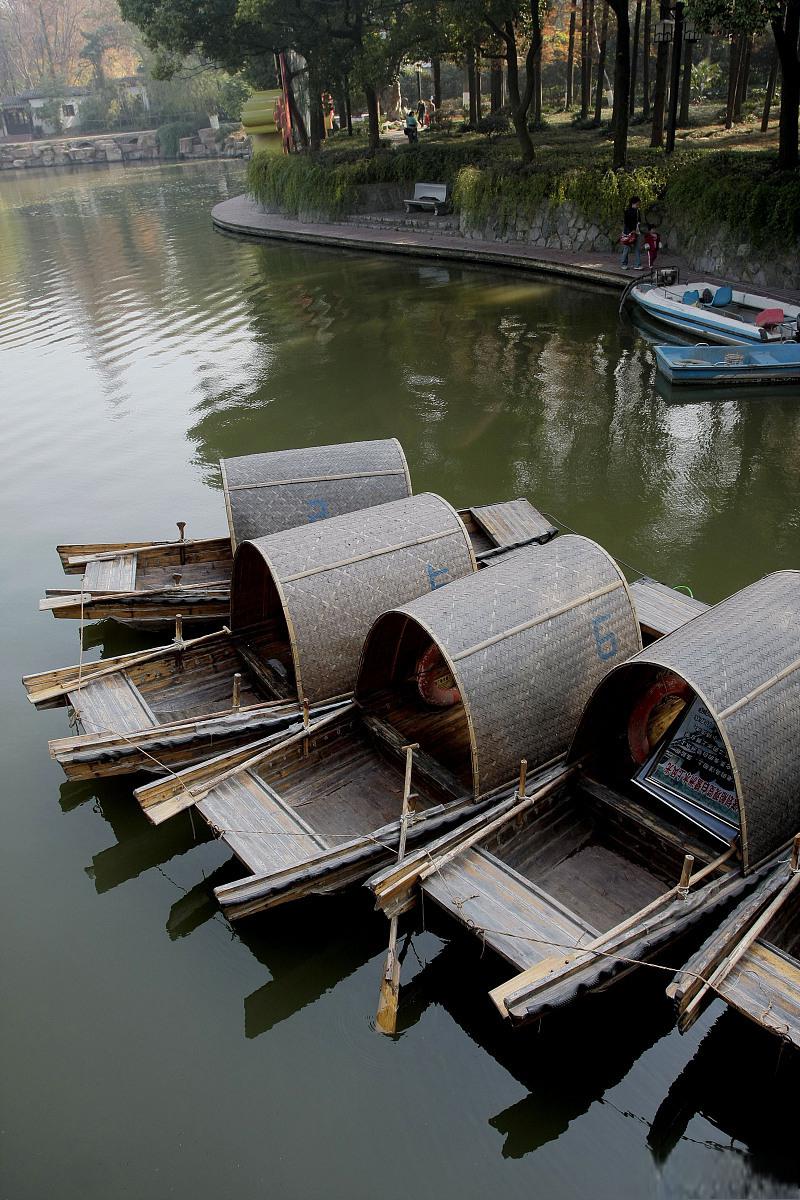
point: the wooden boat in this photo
(682, 781)
(478, 675)
(752, 961)
(750, 365)
(146, 584)
(728, 316)
(303, 600)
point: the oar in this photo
(386, 1017)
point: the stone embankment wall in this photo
(114, 148)
(565, 228)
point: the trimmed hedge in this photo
(742, 191)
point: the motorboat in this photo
(720, 366)
(718, 311)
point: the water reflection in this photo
(139, 845)
(564, 1064)
(741, 1080)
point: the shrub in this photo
(740, 191)
(170, 135)
(494, 124)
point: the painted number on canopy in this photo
(605, 640)
(317, 509)
(433, 576)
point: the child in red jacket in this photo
(652, 245)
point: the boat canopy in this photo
(305, 598)
(741, 659)
(265, 493)
(497, 667)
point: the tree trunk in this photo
(316, 119)
(622, 83)
(770, 94)
(478, 87)
(741, 80)
(373, 116)
(660, 89)
(436, 66)
(496, 85)
(569, 92)
(786, 33)
(686, 86)
(733, 79)
(635, 56)
(648, 16)
(518, 103)
(537, 89)
(585, 60)
(348, 107)
(601, 66)
(473, 106)
(674, 78)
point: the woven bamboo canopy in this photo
(265, 493)
(512, 654)
(742, 659)
(309, 595)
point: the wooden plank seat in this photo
(430, 197)
(112, 702)
(116, 574)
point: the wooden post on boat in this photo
(176, 578)
(306, 723)
(386, 1017)
(686, 875)
(182, 538)
(236, 702)
(523, 774)
(178, 629)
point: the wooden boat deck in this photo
(571, 874)
(765, 984)
(112, 703)
(662, 609)
(192, 681)
(277, 814)
(520, 923)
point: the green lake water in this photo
(148, 1050)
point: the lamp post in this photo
(677, 32)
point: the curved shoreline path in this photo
(242, 216)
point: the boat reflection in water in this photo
(740, 1080)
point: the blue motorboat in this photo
(718, 312)
(726, 365)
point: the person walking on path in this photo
(411, 127)
(631, 221)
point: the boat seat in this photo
(722, 297)
(691, 297)
(770, 316)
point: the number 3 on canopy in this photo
(605, 640)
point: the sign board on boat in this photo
(692, 773)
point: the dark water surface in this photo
(146, 1049)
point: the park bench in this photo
(432, 197)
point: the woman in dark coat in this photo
(631, 221)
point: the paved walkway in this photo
(242, 215)
(375, 232)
